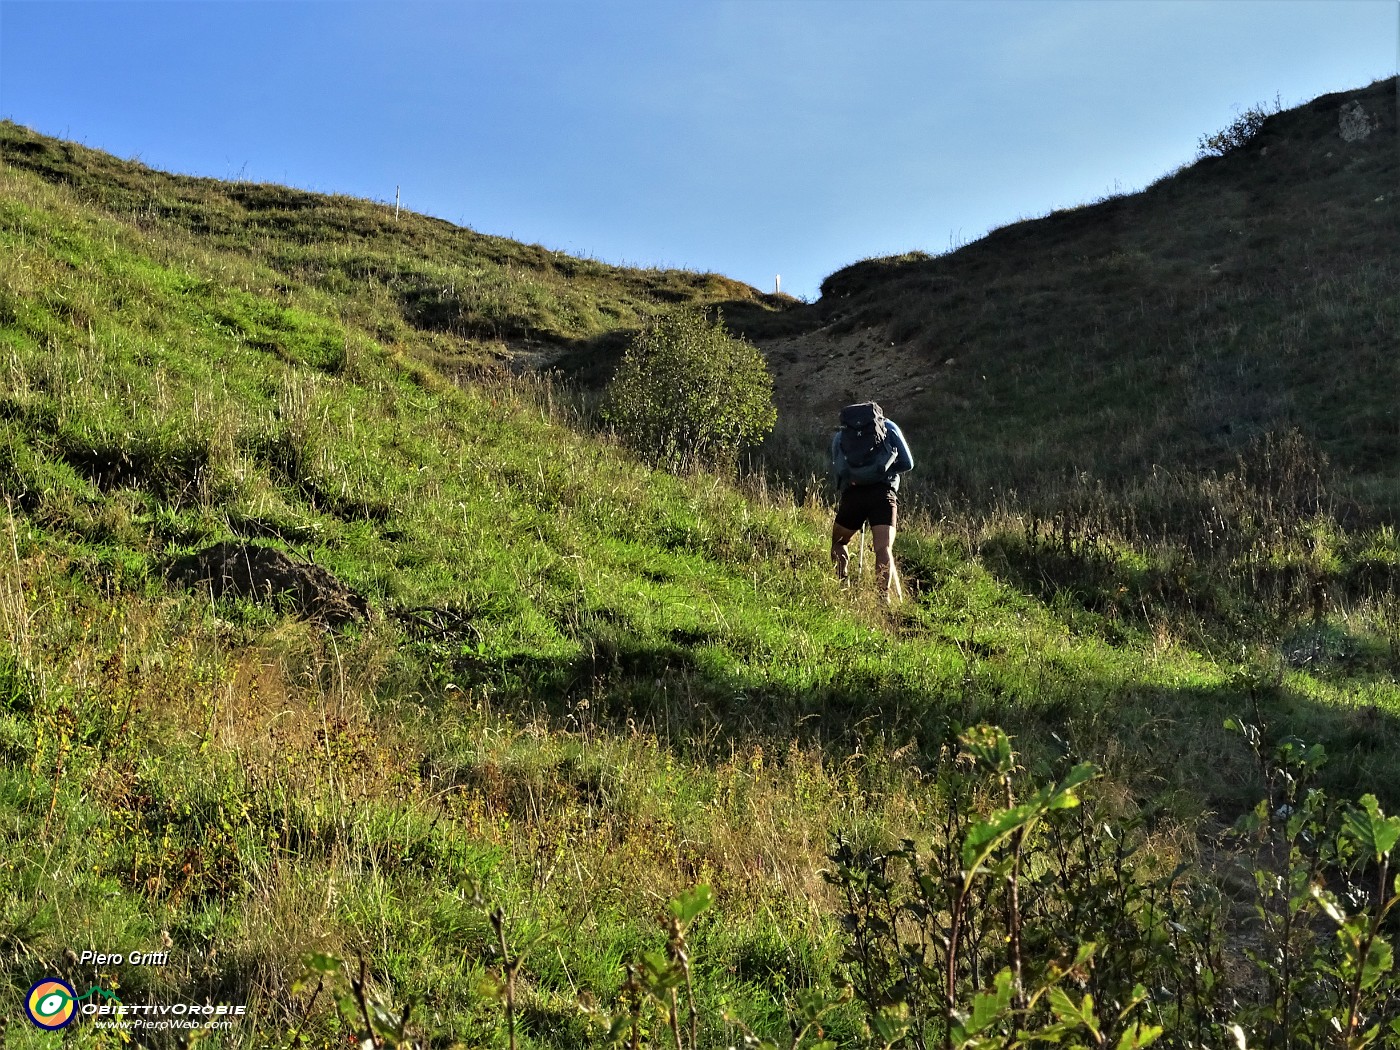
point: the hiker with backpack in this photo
(868, 454)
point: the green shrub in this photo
(1241, 131)
(687, 394)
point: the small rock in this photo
(1354, 123)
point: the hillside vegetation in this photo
(586, 688)
(1246, 293)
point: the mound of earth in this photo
(268, 575)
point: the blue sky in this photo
(751, 137)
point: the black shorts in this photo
(876, 504)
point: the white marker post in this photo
(396, 204)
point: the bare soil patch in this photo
(269, 575)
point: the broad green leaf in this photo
(984, 1012)
(989, 746)
(1139, 1035)
(988, 1006)
(1329, 904)
(659, 973)
(1380, 960)
(320, 962)
(1374, 832)
(1090, 1019)
(1062, 1006)
(891, 1023)
(1063, 798)
(986, 835)
(692, 903)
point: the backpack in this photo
(864, 446)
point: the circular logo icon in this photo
(51, 1003)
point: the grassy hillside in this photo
(1243, 294)
(584, 687)
(462, 299)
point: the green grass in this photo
(588, 686)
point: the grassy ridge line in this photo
(1240, 294)
(450, 292)
(185, 400)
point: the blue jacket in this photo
(894, 437)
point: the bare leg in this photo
(840, 556)
(883, 537)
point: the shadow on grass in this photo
(1165, 742)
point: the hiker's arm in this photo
(905, 459)
(833, 470)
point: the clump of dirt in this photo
(268, 575)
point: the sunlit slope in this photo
(1245, 293)
(463, 298)
(161, 394)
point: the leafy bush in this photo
(1038, 922)
(1021, 898)
(1029, 919)
(687, 394)
(1241, 131)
